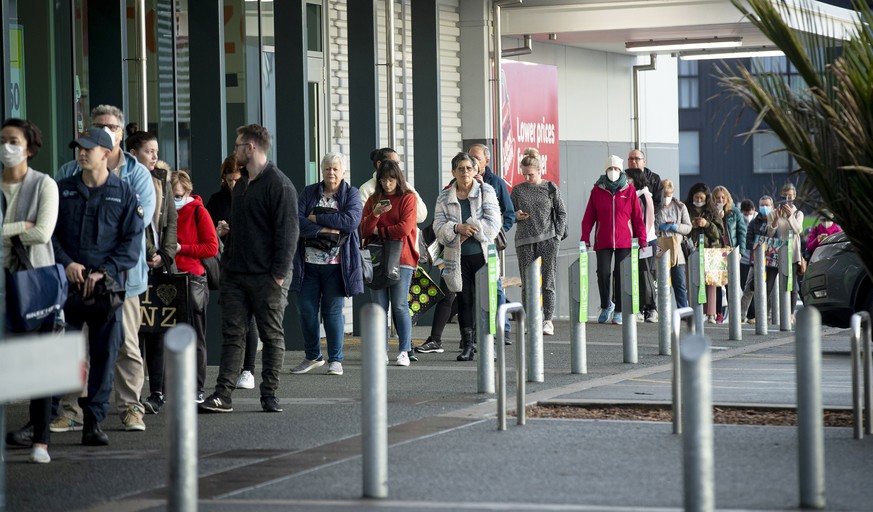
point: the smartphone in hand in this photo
(385, 202)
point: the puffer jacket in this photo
(618, 218)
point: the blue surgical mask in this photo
(764, 210)
(180, 203)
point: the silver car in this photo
(836, 282)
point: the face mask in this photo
(700, 204)
(764, 210)
(827, 224)
(668, 200)
(720, 206)
(749, 217)
(180, 203)
(613, 175)
(12, 155)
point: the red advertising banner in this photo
(529, 118)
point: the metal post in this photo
(485, 340)
(629, 321)
(686, 314)
(735, 293)
(502, 311)
(760, 290)
(694, 285)
(578, 314)
(868, 385)
(180, 342)
(810, 420)
(776, 299)
(534, 301)
(860, 341)
(520, 385)
(697, 444)
(374, 406)
(665, 303)
(2, 457)
(389, 70)
(785, 305)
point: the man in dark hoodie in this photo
(256, 268)
(636, 159)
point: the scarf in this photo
(612, 186)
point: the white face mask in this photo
(750, 216)
(720, 206)
(828, 223)
(668, 200)
(12, 155)
(613, 175)
(700, 204)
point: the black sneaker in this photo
(270, 404)
(430, 346)
(216, 403)
(153, 403)
(93, 435)
(21, 437)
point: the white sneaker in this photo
(306, 365)
(335, 368)
(246, 380)
(40, 455)
(548, 328)
(403, 359)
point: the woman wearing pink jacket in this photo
(614, 208)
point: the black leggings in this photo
(441, 315)
(467, 296)
(604, 273)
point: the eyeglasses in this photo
(243, 144)
(635, 158)
(178, 197)
(468, 168)
(112, 127)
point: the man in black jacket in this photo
(636, 159)
(256, 268)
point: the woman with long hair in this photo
(734, 226)
(706, 221)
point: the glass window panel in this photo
(767, 159)
(313, 28)
(689, 152)
(183, 86)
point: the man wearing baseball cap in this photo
(97, 240)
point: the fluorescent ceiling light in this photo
(739, 53)
(668, 45)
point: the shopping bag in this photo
(34, 296)
(715, 266)
(385, 260)
(423, 294)
(670, 243)
(165, 302)
(771, 252)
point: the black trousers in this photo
(467, 296)
(607, 277)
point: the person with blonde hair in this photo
(734, 233)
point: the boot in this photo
(92, 434)
(468, 345)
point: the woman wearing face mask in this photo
(706, 221)
(614, 208)
(197, 240)
(734, 229)
(783, 219)
(30, 208)
(673, 220)
(824, 229)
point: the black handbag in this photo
(384, 255)
(34, 296)
(211, 264)
(165, 302)
(107, 297)
(325, 241)
(553, 191)
(500, 241)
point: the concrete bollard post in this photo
(180, 344)
(629, 288)
(534, 300)
(579, 312)
(697, 441)
(735, 293)
(374, 402)
(665, 302)
(484, 318)
(680, 315)
(761, 300)
(810, 417)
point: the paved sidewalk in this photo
(445, 452)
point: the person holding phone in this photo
(706, 221)
(783, 219)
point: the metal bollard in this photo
(628, 313)
(760, 290)
(695, 283)
(485, 364)
(579, 312)
(686, 314)
(665, 304)
(776, 300)
(534, 299)
(860, 342)
(810, 420)
(180, 344)
(2, 456)
(520, 413)
(374, 402)
(785, 305)
(697, 442)
(735, 294)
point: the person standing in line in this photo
(673, 220)
(160, 251)
(747, 209)
(735, 234)
(757, 228)
(219, 208)
(825, 228)
(614, 208)
(389, 214)
(197, 240)
(256, 268)
(30, 213)
(129, 369)
(466, 220)
(636, 159)
(706, 221)
(648, 307)
(541, 218)
(98, 237)
(784, 219)
(327, 265)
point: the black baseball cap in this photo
(93, 138)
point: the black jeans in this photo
(251, 346)
(441, 315)
(467, 296)
(607, 277)
(244, 295)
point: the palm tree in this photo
(828, 125)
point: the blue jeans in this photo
(680, 291)
(322, 286)
(399, 296)
(501, 300)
